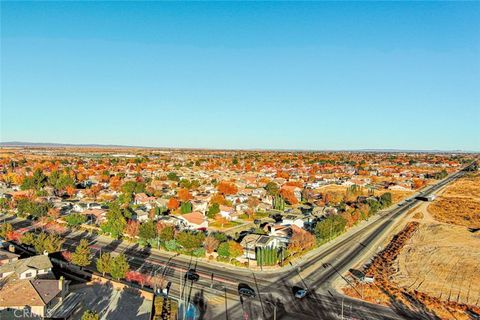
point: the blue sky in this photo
(320, 75)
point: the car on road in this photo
(245, 290)
(192, 275)
(301, 293)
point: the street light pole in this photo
(342, 307)
(274, 309)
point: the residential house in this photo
(227, 212)
(27, 268)
(95, 215)
(7, 256)
(37, 297)
(141, 215)
(143, 199)
(252, 242)
(199, 205)
(291, 219)
(194, 220)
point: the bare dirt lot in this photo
(460, 203)
(442, 261)
(433, 265)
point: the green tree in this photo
(330, 227)
(224, 250)
(75, 219)
(83, 255)
(119, 267)
(36, 181)
(115, 223)
(47, 242)
(272, 188)
(171, 245)
(186, 207)
(167, 233)
(104, 263)
(148, 230)
(90, 315)
(190, 240)
(278, 203)
(36, 209)
(28, 238)
(173, 176)
(385, 199)
(213, 210)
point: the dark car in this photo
(245, 290)
(192, 275)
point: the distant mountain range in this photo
(64, 145)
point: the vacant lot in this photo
(435, 268)
(442, 261)
(460, 203)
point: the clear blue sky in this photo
(242, 75)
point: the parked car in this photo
(301, 293)
(245, 290)
(192, 275)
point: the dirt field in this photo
(460, 203)
(438, 265)
(442, 261)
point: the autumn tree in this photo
(301, 240)
(104, 262)
(119, 267)
(5, 228)
(83, 254)
(184, 195)
(221, 220)
(289, 196)
(227, 188)
(218, 199)
(211, 244)
(173, 204)
(132, 229)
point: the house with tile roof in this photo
(194, 220)
(37, 295)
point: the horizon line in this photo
(4, 144)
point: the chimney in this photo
(11, 248)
